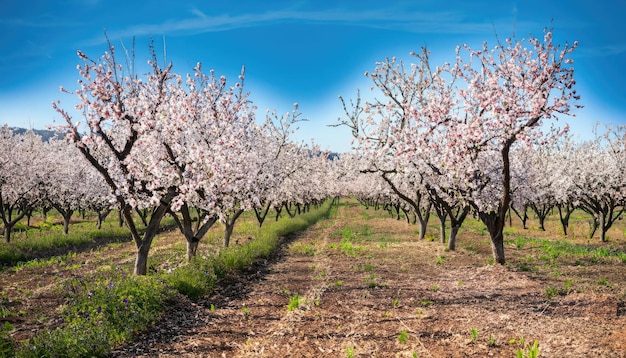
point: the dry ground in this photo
(382, 293)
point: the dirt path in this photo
(368, 288)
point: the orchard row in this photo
(455, 139)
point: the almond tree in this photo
(598, 172)
(120, 113)
(23, 175)
(509, 91)
(470, 115)
(72, 183)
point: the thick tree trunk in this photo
(228, 232)
(454, 230)
(141, 259)
(603, 227)
(7, 233)
(457, 217)
(192, 249)
(495, 226)
(423, 222)
(66, 221)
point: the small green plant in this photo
(395, 302)
(568, 285)
(246, 311)
(350, 352)
(473, 334)
(439, 260)
(551, 292)
(371, 281)
(339, 283)
(492, 341)
(604, 282)
(427, 303)
(403, 337)
(435, 288)
(294, 302)
(212, 308)
(460, 283)
(529, 351)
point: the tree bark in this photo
(229, 226)
(192, 249)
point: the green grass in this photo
(109, 307)
(28, 246)
(101, 312)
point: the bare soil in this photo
(394, 296)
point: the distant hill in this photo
(46, 135)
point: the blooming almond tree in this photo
(458, 123)
(508, 92)
(120, 114)
(23, 173)
(598, 169)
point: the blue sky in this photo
(308, 52)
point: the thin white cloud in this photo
(442, 22)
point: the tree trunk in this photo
(594, 227)
(192, 249)
(495, 225)
(454, 230)
(442, 229)
(423, 220)
(143, 242)
(102, 215)
(7, 233)
(603, 227)
(564, 217)
(141, 259)
(66, 221)
(228, 232)
(457, 217)
(229, 226)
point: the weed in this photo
(403, 337)
(304, 249)
(473, 334)
(339, 283)
(435, 288)
(350, 352)
(529, 351)
(460, 283)
(395, 302)
(427, 303)
(604, 282)
(551, 292)
(371, 281)
(212, 308)
(492, 341)
(294, 302)
(246, 311)
(7, 344)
